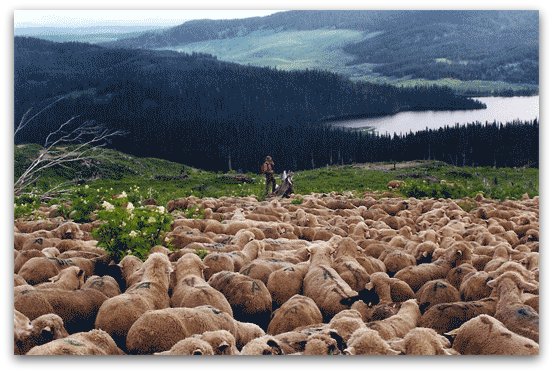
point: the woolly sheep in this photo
(286, 282)
(400, 324)
(475, 287)
(94, 342)
(249, 298)
(435, 292)
(448, 316)
(323, 284)
(41, 330)
(296, 312)
(265, 345)
(192, 290)
(189, 346)
(365, 341)
(70, 278)
(117, 314)
(77, 308)
(159, 330)
(416, 276)
(423, 341)
(485, 335)
(105, 284)
(511, 310)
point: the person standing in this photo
(268, 169)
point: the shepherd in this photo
(268, 169)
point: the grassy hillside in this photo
(493, 52)
(164, 180)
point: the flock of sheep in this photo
(334, 275)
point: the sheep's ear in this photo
(492, 283)
(397, 345)
(445, 341)
(452, 333)
(197, 352)
(348, 351)
(309, 250)
(54, 278)
(332, 250)
(80, 273)
(223, 346)
(528, 286)
(459, 253)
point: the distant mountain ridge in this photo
(467, 45)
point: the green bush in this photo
(297, 201)
(194, 212)
(25, 206)
(201, 253)
(127, 230)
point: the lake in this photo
(500, 109)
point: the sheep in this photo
(485, 335)
(511, 310)
(323, 284)
(70, 278)
(475, 287)
(365, 341)
(77, 308)
(265, 345)
(286, 282)
(250, 300)
(456, 275)
(435, 292)
(130, 269)
(321, 344)
(94, 342)
(296, 312)
(192, 290)
(50, 252)
(41, 269)
(399, 324)
(423, 341)
(217, 262)
(68, 231)
(18, 280)
(395, 260)
(221, 341)
(416, 276)
(346, 323)
(105, 284)
(448, 316)
(347, 265)
(23, 256)
(41, 330)
(261, 269)
(382, 289)
(159, 330)
(189, 346)
(117, 314)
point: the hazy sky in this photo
(76, 18)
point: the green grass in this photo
(122, 172)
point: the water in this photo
(500, 109)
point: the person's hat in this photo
(268, 158)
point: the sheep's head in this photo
(516, 279)
(48, 327)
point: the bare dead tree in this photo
(69, 143)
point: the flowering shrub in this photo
(194, 212)
(25, 206)
(129, 230)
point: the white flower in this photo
(151, 220)
(123, 224)
(122, 195)
(130, 206)
(161, 209)
(108, 206)
(86, 186)
(133, 234)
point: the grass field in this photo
(163, 180)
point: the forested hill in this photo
(166, 99)
(463, 44)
